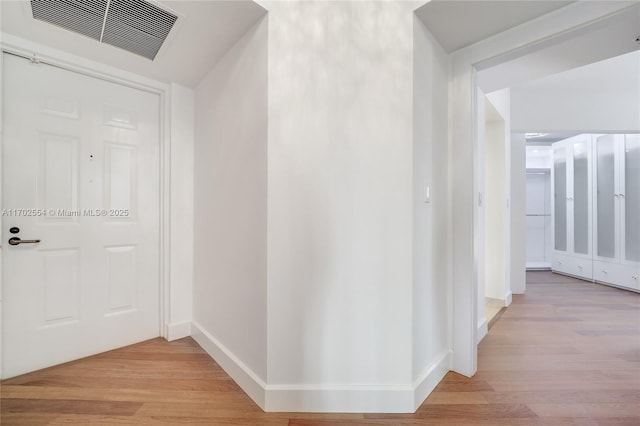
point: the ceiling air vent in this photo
(133, 25)
(84, 17)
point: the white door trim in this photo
(21, 47)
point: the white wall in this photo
(490, 224)
(597, 111)
(498, 152)
(325, 295)
(340, 201)
(341, 209)
(431, 232)
(178, 321)
(230, 207)
(495, 210)
(539, 156)
(501, 101)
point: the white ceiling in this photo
(203, 34)
(457, 24)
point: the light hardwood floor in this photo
(566, 353)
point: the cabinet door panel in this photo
(606, 196)
(581, 205)
(560, 198)
(631, 198)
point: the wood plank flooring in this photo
(566, 353)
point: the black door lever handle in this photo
(14, 241)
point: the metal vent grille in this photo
(82, 16)
(137, 26)
(133, 25)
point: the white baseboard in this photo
(340, 399)
(177, 330)
(359, 399)
(508, 299)
(482, 330)
(249, 381)
(538, 266)
(324, 398)
(427, 381)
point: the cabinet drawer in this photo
(576, 266)
(582, 268)
(617, 274)
(560, 263)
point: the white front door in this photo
(80, 173)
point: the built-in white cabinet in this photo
(596, 208)
(617, 210)
(571, 201)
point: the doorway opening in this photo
(526, 200)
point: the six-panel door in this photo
(80, 172)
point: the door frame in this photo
(43, 54)
(463, 126)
